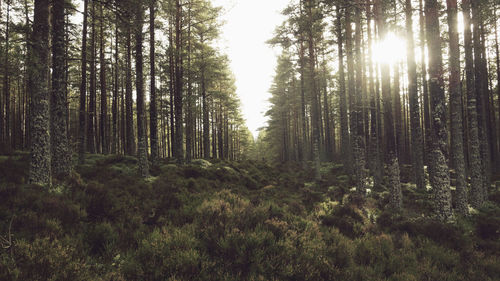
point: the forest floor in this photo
(231, 221)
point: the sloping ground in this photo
(230, 221)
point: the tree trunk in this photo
(104, 99)
(476, 183)
(425, 85)
(189, 97)
(375, 161)
(481, 94)
(438, 173)
(139, 85)
(457, 146)
(114, 106)
(314, 96)
(153, 112)
(83, 89)
(5, 124)
(91, 147)
(416, 129)
(392, 169)
(344, 123)
(179, 132)
(39, 172)
(206, 121)
(355, 93)
(61, 154)
(128, 95)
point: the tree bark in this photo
(375, 162)
(439, 173)
(314, 95)
(5, 124)
(128, 95)
(83, 90)
(114, 105)
(481, 96)
(356, 86)
(103, 124)
(178, 103)
(476, 182)
(392, 164)
(91, 146)
(457, 146)
(139, 85)
(61, 154)
(425, 85)
(344, 123)
(416, 129)
(39, 172)
(153, 111)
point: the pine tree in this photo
(438, 173)
(38, 65)
(61, 154)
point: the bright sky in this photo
(248, 25)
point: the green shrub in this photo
(346, 219)
(101, 239)
(166, 253)
(46, 259)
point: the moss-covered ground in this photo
(230, 221)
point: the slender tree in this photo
(416, 129)
(61, 154)
(39, 172)
(439, 173)
(457, 147)
(392, 169)
(83, 89)
(475, 162)
(139, 83)
(103, 122)
(153, 112)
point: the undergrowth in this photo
(230, 221)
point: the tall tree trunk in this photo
(91, 146)
(153, 112)
(425, 85)
(314, 94)
(114, 105)
(128, 95)
(416, 129)
(457, 146)
(481, 96)
(189, 97)
(179, 132)
(375, 161)
(439, 173)
(344, 123)
(39, 171)
(497, 54)
(139, 85)
(83, 89)
(104, 98)
(171, 86)
(476, 183)
(398, 114)
(61, 154)
(392, 169)
(356, 93)
(5, 124)
(206, 121)
(326, 113)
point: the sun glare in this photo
(390, 50)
